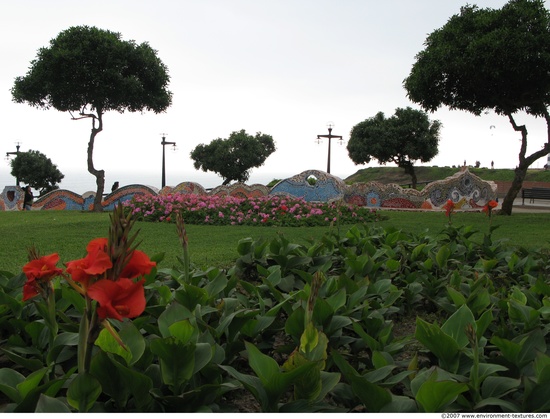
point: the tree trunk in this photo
(99, 174)
(510, 197)
(409, 170)
(524, 163)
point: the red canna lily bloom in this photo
(97, 244)
(489, 206)
(96, 262)
(39, 273)
(139, 265)
(43, 268)
(30, 289)
(449, 207)
(119, 299)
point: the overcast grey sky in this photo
(282, 67)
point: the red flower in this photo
(284, 208)
(449, 207)
(96, 262)
(139, 265)
(118, 299)
(489, 206)
(30, 289)
(43, 268)
(40, 272)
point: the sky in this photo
(286, 68)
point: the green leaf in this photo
(9, 380)
(265, 367)
(442, 345)
(174, 313)
(182, 330)
(503, 405)
(83, 392)
(457, 297)
(31, 382)
(47, 404)
(495, 386)
(537, 400)
(119, 382)
(456, 325)
(372, 396)
(177, 361)
(435, 396)
(442, 256)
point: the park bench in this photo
(534, 193)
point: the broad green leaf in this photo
(537, 400)
(457, 297)
(182, 330)
(485, 370)
(442, 256)
(131, 337)
(503, 405)
(337, 300)
(47, 404)
(372, 396)
(417, 251)
(435, 396)
(379, 374)
(495, 386)
(265, 367)
(400, 404)
(456, 325)
(252, 384)
(9, 380)
(442, 345)
(542, 368)
(177, 361)
(83, 392)
(174, 313)
(31, 382)
(483, 323)
(393, 265)
(119, 382)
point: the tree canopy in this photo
(36, 170)
(403, 138)
(232, 158)
(88, 71)
(489, 59)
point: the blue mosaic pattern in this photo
(327, 188)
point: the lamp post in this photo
(17, 146)
(330, 137)
(164, 143)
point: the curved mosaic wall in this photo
(465, 189)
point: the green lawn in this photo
(68, 232)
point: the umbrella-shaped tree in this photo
(88, 71)
(490, 59)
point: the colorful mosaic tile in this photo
(465, 189)
(240, 190)
(326, 188)
(12, 198)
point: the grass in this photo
(68, 232)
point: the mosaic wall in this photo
(465, 189)
(326, 187)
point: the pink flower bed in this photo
(227, 210)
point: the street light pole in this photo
(17, 146)
(164, 143)
(330, 137)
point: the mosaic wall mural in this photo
(467, 191)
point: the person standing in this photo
(29, 197)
